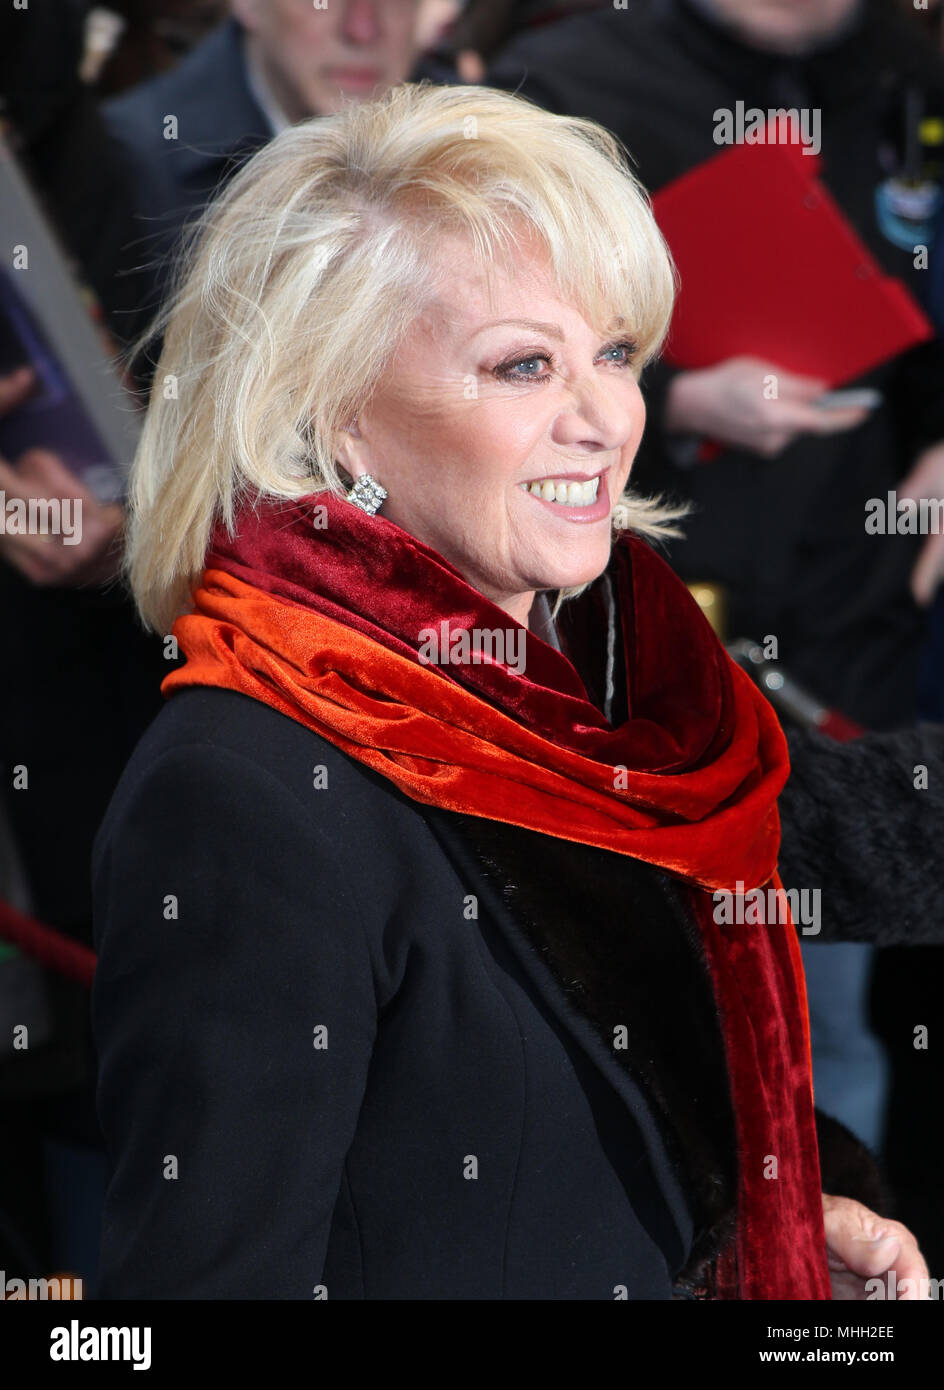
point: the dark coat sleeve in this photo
(863, 823)
(847, 1166)
(226, 1128)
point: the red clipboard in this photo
(770, 267)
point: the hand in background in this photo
(727, 403)
(47, 560)
(862, 1245)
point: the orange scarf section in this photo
(445, 747)
(442, 745)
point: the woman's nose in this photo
(600, 415)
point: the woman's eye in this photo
(524, 368)
(509, 369)
(629, 349)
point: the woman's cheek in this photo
(513, 436)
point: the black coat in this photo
(466, 1128)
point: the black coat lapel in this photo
(610, 944)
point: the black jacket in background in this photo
(785, 536)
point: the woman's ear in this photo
(347, 453)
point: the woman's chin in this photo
(574, 578)
(572, 572)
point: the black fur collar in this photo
(621, 943)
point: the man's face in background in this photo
(317, 60)
(786, 26)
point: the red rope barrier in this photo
(49, 947)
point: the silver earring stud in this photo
(367, 494)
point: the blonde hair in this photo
(300, 280)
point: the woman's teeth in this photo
(571, 494)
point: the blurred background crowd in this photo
(124, 119)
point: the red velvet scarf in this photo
(323, 613)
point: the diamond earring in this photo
(367, 494)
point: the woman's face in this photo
(477, 424)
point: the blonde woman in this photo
(410, 983)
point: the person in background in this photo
(270, 64)
(478, 29)
(779, 512)
(80, 680)
(446, 56)
(152, 36)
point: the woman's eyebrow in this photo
(553, 330)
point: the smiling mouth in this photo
(566, 491)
